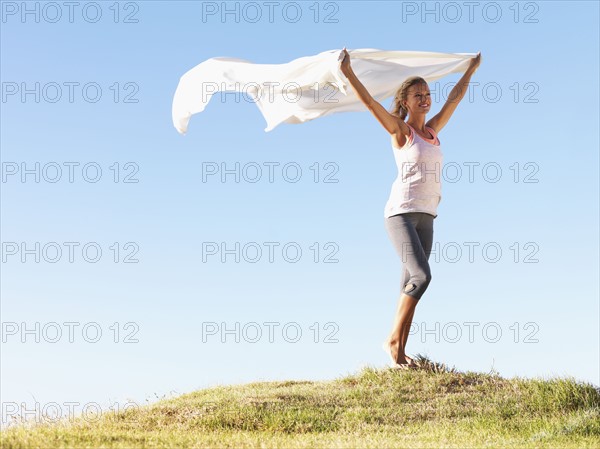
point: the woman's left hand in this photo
(475, 62)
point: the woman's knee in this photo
(417, 285)
(428, 277)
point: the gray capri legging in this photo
(412, 236)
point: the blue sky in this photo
(524, 303)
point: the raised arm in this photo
(391, 123)
(439, 120)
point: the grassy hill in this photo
(429, 407)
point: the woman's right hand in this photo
(345, 66)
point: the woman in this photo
(416, 193)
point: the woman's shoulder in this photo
(434, 134)
(432, 129)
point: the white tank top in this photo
(418, 187)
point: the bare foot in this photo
(392, 348)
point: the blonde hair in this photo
(397, 108)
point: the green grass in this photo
(433, 406)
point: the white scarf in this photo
(303, 89)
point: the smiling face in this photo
(418, 99)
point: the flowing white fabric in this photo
(308, 87)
